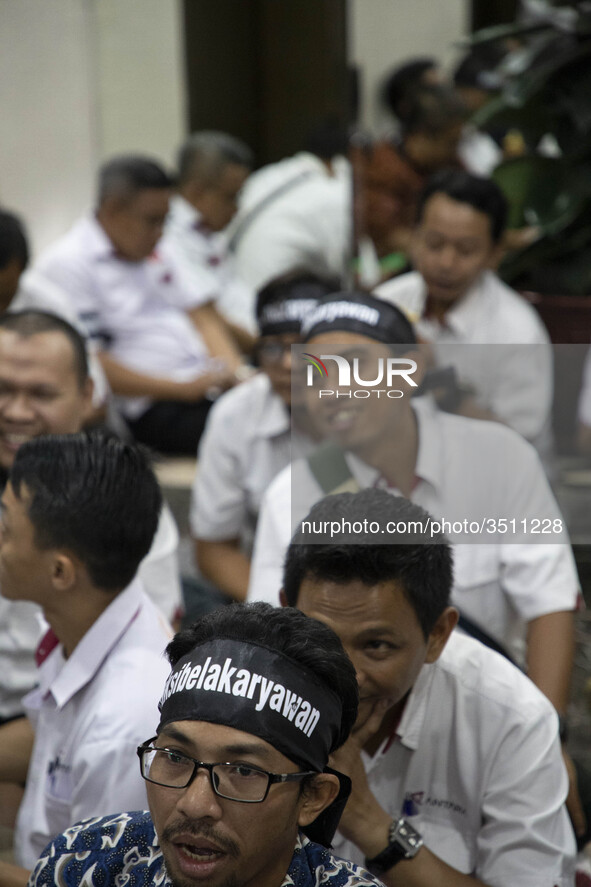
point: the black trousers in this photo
(171, 426)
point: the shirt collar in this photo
(184, 213)
(76, 671)
(429, 457)
(410, 727)
(464, 314)
(97, 243)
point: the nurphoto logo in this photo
(388, 370)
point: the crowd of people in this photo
(384, 662)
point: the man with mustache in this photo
(452, 744)
(236, 774)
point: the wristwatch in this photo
(404, 842)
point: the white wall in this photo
(47, 151)
(81, 80)
(384, 33)
(140, 76)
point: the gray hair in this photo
(205, 154)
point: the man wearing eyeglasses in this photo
(247, 439)
(238, 785)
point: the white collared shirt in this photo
(247, 442)
(90, 712)
(510, 370)
(476, 767)
(137, 311)
(305, 227)
(466, 469)
(22, 623)
(206, 263)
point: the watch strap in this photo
(404, 843)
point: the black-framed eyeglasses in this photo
(233, 781)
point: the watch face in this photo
(405, 843)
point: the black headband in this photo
(359, 313)
(284, 316)
(257, 690)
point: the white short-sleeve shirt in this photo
(304, 225)
(475, 766)
(22, 623)
(207, 264)
(247, 442)
(515, 382)
(465, 468)
(90, 712)
(137, 311)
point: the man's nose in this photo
(447, 256)
(198, 800)
(17, 408)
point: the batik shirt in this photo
(123, 849)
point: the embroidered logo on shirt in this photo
(413, 801)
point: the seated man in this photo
(392, 172)
(45, 389)
(236, 775)
(212, 169)
(78, 515)
(514, 586)
(453, 744)
(296, 215)
(158, 336)
(458, 302)
(235, 469)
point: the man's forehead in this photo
(205, 734)
(441, 208)
(46, 351)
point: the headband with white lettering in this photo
(257, 690)
(284, 303)
(285, 316)
(360, 313)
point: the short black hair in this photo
(421, 564)
(128, 174)
(401, 83)
(433, 110)
(481, 193)
(13, 241)
(205, 155)
(306, 641)
(94, 495)
(32, 322)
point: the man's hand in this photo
(363, 821)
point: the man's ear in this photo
(317, 796)
(63, 571)
(283, 598)
(440, 633)
(496, 254)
